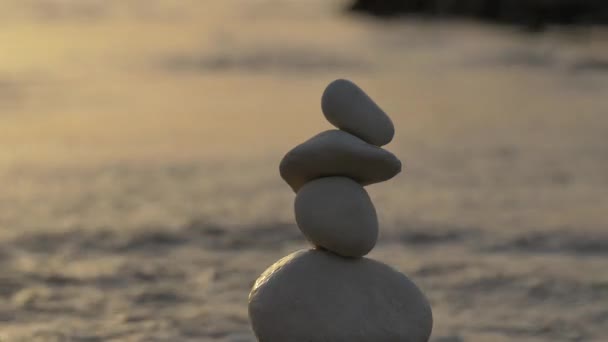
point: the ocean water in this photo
(140, 143)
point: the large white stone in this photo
(337, 153)
(349, 108)
(337, 214)
(317, 296)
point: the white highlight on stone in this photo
(336, 213)
(348, 107)
(337, 153)
(317, 296)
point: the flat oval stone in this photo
(336, 213)
(349, 108)
(317, 296)
(337, 153)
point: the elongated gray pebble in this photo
(317, 296)
(350, 109)
(336, 213)
(337, 153)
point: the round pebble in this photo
(337, 153)
(349, 108)
(317, 296)
(336, 213)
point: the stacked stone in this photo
(331, 292)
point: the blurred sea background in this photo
(140, 143)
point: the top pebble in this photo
(349, 108)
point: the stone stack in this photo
(331, 292)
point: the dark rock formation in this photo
(535, 14)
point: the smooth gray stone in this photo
(336, 213)
(350, 109)
(337, 153)
(317, 296)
